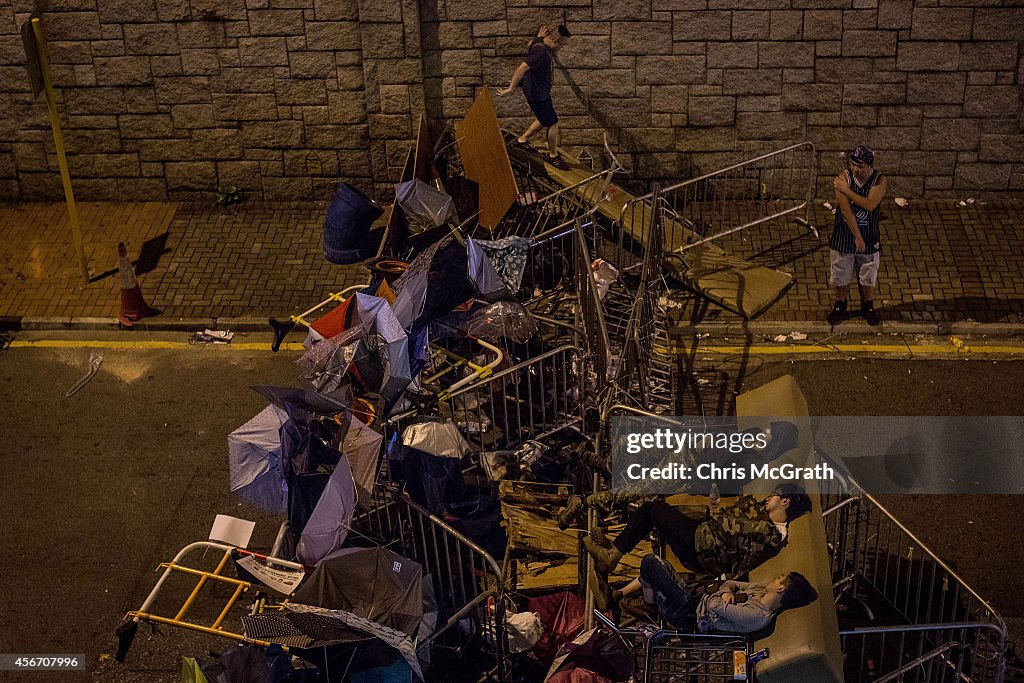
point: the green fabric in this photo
(190, 671)
(739, 539)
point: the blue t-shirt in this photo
(537, 82)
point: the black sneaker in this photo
(558, 162)
(524, 145)
(867, 309)
(837, 314)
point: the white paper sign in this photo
(232, 531)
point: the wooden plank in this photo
(423, 166)
(485, 159)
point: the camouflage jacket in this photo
(740, 538)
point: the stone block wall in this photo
(170, 98)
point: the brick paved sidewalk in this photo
(941, 262)
(249, 261)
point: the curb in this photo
(43, 323)
(714, 329)
(850, 327)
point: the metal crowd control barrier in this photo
(931, 627)
(736, 198)
(467, 582)
(204, 578)
(531, 400)
(548, 215)
(632, 321)
(545, 203)
(671, 656)
(645, 334)
(591, 313)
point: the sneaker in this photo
(524, 145)
(639, 608)
(569, 515)
(605, 559)
(597, 533)
(837, 314)
(867, 309)
(558, 162)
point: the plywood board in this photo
(485, 159)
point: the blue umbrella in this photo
(254, 461)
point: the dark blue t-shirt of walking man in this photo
(535, 74)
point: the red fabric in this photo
(578, 676)
(335, 322)
(561, 614)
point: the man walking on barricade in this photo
(855, 243)
(536, 74)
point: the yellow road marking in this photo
(140, 344)
(783, 349)
(756, 350)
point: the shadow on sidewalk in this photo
(149, 256)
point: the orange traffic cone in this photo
(133, 306)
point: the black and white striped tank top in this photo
(867, 221)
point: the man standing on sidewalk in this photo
(536, 75)
(855, 242)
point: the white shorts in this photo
(844, 265)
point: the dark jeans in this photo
(674, 528)
(677, 600)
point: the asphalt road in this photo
(101, 487)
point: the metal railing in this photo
(591, 313)
(755, 192)
(646, 335)
(531, 400)
(931, 626)
(544, 203)
(467, 582)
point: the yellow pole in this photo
(58, 143)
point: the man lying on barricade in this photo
(737, 539)
(725, 606)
